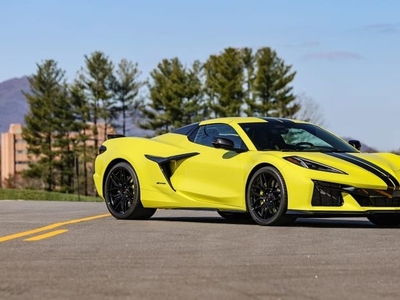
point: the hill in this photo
(13, 105)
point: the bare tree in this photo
(310, 110)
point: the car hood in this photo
(386, 166)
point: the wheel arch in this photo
(132, 207)
(109, 167)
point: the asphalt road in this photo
(66, 250)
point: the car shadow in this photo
(335, 223)
(211, 220)
(300, 222)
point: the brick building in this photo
(14, 153)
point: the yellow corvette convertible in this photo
(273, 170)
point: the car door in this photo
(214, 178)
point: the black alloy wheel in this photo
(122, 193)
(267, 198)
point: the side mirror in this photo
(356, 144)
(223, 143)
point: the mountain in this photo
(13, 105)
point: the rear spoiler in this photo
(114, 136)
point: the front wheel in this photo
(389, 220)
(122, 193)
(266, 198)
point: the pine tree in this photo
(175, 96)
(193, 105)
(83, 154)
(47, 126)
(96, 78)
(271, 87)
(248, 64)
(126, 86)
(63, 145)
(224, 83)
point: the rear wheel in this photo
(385, 219)
(122, 193)
(267, 198)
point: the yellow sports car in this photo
(273, 170)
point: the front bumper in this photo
(332, 194)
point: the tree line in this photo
(62, 124)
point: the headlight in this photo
(309, 164)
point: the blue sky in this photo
(346, 52)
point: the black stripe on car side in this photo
(389, 179)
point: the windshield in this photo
(291, 136)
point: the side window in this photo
(207, 133)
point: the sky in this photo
(346, 53)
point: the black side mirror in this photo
(223, 143)
(356, 144)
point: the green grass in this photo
(20, 194)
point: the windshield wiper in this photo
(314, 149)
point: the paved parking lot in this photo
(66, 250)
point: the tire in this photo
(234, 215)
(385, 220)
(266, 198)
(122, 194)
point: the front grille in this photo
(327, 194)
(377, 201)
(330, 194)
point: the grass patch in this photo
(20, 194)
